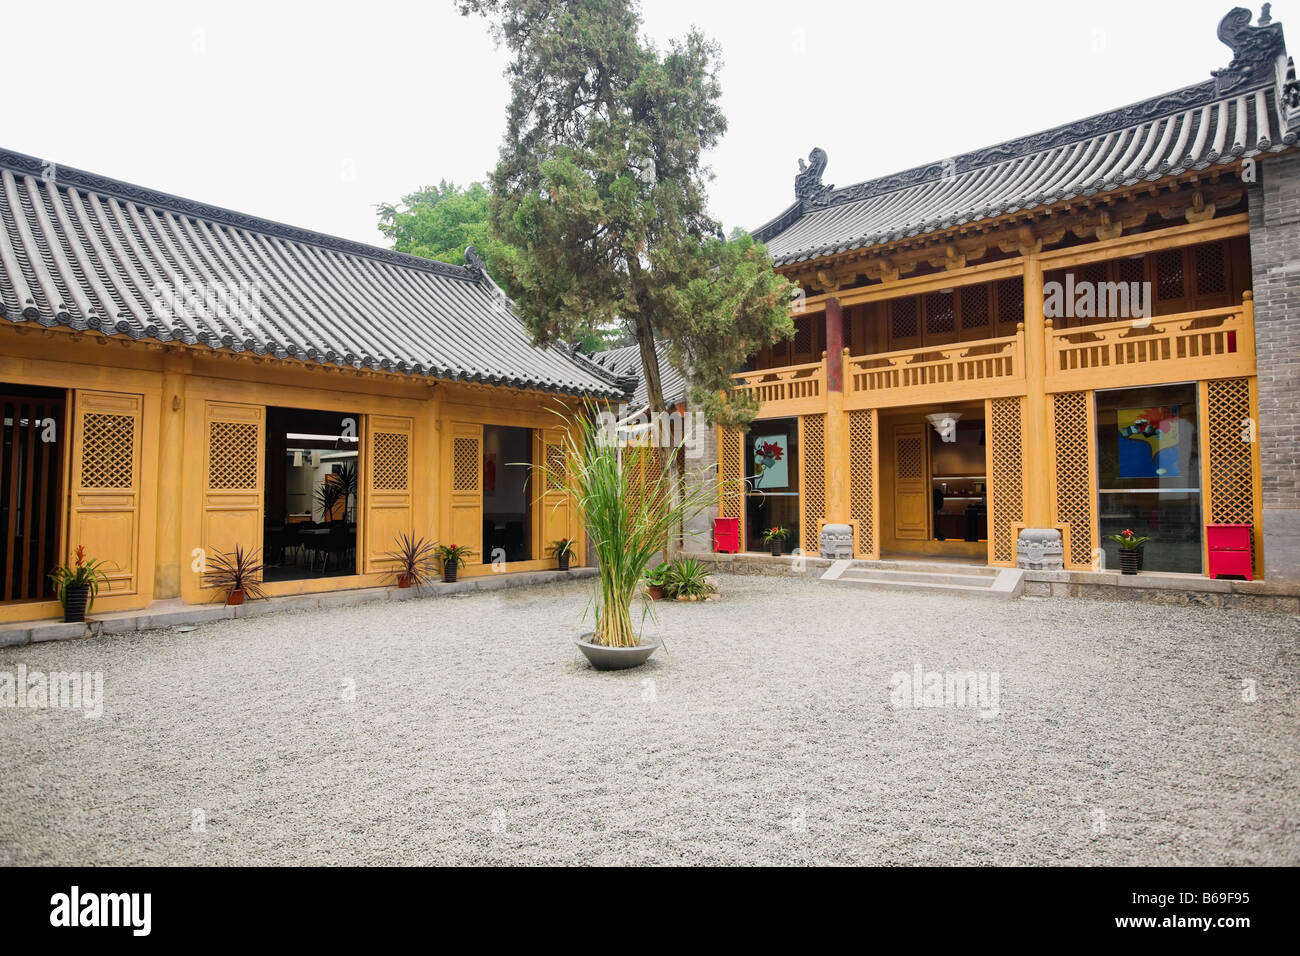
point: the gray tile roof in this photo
(626, 361)
(1215, 123)
(87, 252)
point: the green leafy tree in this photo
(438, 222)
(598, 200)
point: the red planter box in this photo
(726, 535)
(1229, 550)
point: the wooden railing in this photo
(794, 389)
(987, 368)
(1215, 343)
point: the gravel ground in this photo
(478, 735)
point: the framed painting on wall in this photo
(771, 463)
(1148, 442)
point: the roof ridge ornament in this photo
(808, 185)
(475, 264)
(1255, 49)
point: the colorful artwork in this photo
(1148, 442)
(771, 468)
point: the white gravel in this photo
(765, 735)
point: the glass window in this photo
(1149, 474)
(772, 481)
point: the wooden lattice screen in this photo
(390, 461)
(731, 472)
(862, 479)
(233, 455)
(1006, 477)
(1230, 440)
(812, 485)
(1074, 493)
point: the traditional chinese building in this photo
(1020, 350)
(178, 379)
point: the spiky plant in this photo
(629, 513)
(237, 570)
(415, 558)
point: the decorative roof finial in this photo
(808, 183)
(1255, 50)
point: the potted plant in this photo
(414, 560)
(656, 579)
(238, 573)
(78, 584)
(774, 538)
(629, 514)
(688, 580)
(562, 551)
(1130, 550)
(453, 559)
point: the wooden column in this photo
(1038, 510)
(171, 554)
(837, 429)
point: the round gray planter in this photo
(614, 658)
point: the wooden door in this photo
(386, 487)
(234, 476)
(555, 512)
(104, 513)
(466, 473)
(912, 498)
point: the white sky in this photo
(311, 113)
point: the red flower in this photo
(81, 555)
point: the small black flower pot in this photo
(75, 599)
(1130, 560)
(449, 569)
(564, 561)
(776, 548)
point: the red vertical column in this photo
(834, 346)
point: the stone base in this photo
(1040, 549)
(836, 542)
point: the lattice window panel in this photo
(1169, 274)
(902, 318)
(1232, 485)
(812, 446)
(1011, 303)
(731, 474)
(802, 336)
(862, 463)
(464, 464)
(1007, 479)
(1211, 269)
(1093, 273)
(939, 319)
(388, 461)
(1132, 270)
(1074, 474)
(554, 466)
(974, 307)
(232, 455)
(107, 451)
(911, 459)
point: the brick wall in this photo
(1275, 266)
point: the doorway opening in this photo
(31, 500)
(310, 517)
(935, 484)
(507, 496)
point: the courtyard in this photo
(468, 730)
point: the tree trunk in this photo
(645, 339)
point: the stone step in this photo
(997, 583)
